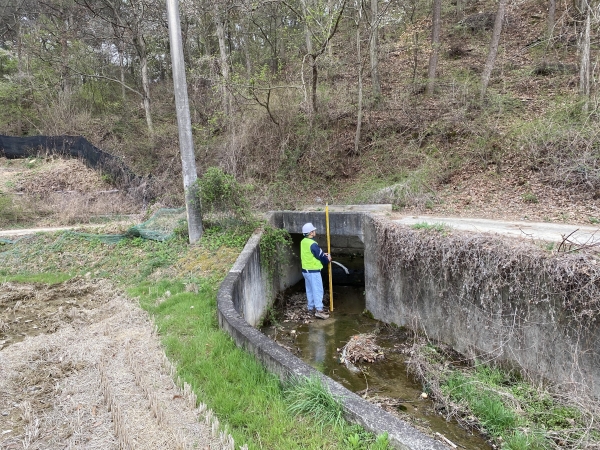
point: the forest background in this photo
(465, 107)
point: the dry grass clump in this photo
(361, 348)
(62, 192)
(59, 175)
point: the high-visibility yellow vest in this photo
(309, 262)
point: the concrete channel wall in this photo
(541, 342)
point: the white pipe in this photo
(342, 266)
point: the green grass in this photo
(231, 382)
(249, 401)
(45, 278)
(438, 227)
(308, 396)
(529, 197)
(513, 411)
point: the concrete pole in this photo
(184, 123)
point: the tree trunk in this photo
(312, 59)
(122, 68)
(584, 67)
(374, 47)
(65, 85)
(551, 20)
(491, 59)
(20, 78)
(245, 47)
(220, 25)
(140, 45)
(460, 8)
(360, 83)
(435, 46)
(315, 78)
(415, 43)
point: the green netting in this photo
(160, 227)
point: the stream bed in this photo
(385, 382)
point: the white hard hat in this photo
(307, 228)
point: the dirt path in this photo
(82, 367)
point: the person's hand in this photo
(328, 256)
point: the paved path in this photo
(552, 232)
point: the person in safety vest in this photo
(313, 258)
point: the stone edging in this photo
(281, 362)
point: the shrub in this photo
(221, 196)
(9, 213)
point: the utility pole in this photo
(184, 123)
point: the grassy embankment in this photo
(177, 284)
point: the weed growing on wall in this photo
(275, 245)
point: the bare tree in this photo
(319, 29)
(219, 10)
(132, 20)
(584, 66)
(374, 48)
(435, 46)
(551, 19)
(359, 116)
(493, 52)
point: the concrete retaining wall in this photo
(532, 334)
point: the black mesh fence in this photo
(69, 146)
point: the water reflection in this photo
(318, 343)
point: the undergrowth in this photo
(502, 404)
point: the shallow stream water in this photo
(318, 343)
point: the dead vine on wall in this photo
(491, 267)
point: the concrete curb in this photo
(238, 284)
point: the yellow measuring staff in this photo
(329, 251)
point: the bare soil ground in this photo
(82, 367)
(517, 193)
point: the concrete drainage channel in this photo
(243, 299)
(246, 294)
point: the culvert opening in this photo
(320, 343)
